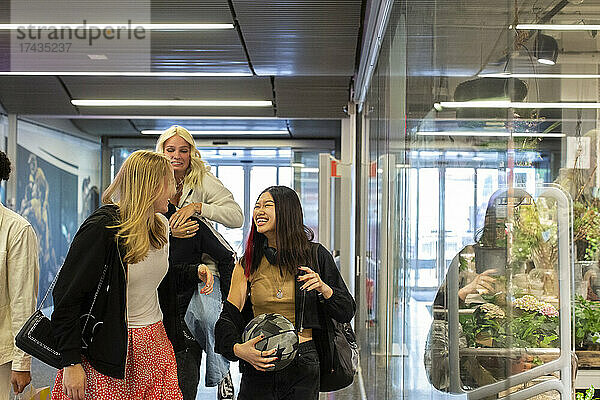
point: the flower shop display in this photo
(526, 322)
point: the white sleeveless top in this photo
(143, 279)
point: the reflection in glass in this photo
(459, 224)
(506, 288)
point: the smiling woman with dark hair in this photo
(284, 273)
(200, 200)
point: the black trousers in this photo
(298, 381)
(188, 370)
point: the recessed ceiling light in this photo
(510, 104)
(550, 27)
(117, 25)
(116, 73)
(172, 103)
(97, 57)
(230, 133)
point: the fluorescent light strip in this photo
(175, 117)
(113, 73)
(231, 133)
(558, 27)
(510, 104)
(489, 134)
(540, 76)
(118, 25)
(172, 103)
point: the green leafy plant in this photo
(591, 252)
(586, 206)
(588, 395)
(587, 324)
(586, 229)
(535, 235)
(463, 264)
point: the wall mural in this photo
(57, 177)
(90, 199)
(47, 198)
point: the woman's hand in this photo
(74, 382)
(483, 282)
(186, 230)
(207, 277)
(312, 280)
(182, 215)
(19, 380)
(260, 360)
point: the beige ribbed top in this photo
(265, 283)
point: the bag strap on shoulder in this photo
(95, 294)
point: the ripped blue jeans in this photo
(201, 316)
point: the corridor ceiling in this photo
(301, 55)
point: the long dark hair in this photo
(4, 166)
(293, 237)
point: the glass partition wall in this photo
(479, 202)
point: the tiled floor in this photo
(43, 375)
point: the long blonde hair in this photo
(197, 168)
(138, 184)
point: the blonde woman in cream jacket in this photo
(201, 195)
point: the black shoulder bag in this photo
(344, 350)
(36, 337)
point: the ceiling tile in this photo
(34, 95)
(312, 37)
(312, 97)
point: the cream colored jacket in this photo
(218, 205)
(217, 201)
(19, 274)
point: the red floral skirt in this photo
(150, 373)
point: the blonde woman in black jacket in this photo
(278, 269)
(118, 257)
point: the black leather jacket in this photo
(340, 306)
(178, 286)
(93, 247)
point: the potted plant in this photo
(526, 322)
